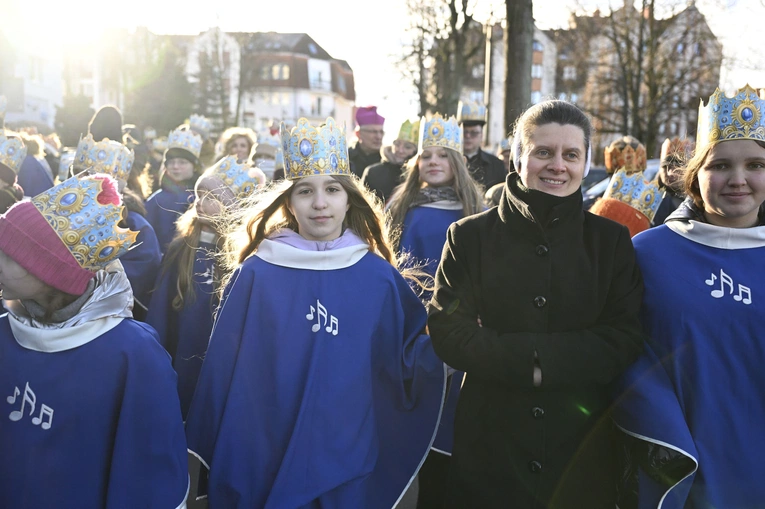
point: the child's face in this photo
(319, 204)
(16, 282)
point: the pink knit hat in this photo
(367, 115)
(28, 238)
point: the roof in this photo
(299, 43)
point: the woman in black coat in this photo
(537, 301)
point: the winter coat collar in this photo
(515, 211)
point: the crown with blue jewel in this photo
(437, 132)
(309, 151)
(741, 117)
(201, 125)
(471, 111)
(632, 189)
(89, 229)
(240, 177)
(106, 156)
(12, 151)
(186, 139)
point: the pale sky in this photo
(367, 33)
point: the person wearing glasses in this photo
(485, 168)
(369, 131)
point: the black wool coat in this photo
(486, 169)
(563, 295)
(382, 178)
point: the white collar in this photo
(719, 236)
(443, 205)
(59, 340)
(284, 255)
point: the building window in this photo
(569, 72)
(318, 106)
(536, 96)
(265, 72)
(341, 86)
(536, 71)
(537, 46)
(280, 72)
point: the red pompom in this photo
(109, 192)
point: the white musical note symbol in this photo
(309, 316)
(743, 290)
(12, 399)
(322, 312)
(332, 327)
(711, 282)
(46, 411)
(725, 280)
(30, 397)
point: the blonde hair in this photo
(34, 144)
(232, 134)
(469, 192)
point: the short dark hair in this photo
(550, 112)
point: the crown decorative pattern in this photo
(409, 132)
(12, 151)
(471, 111)
(621, 155)
(106, 156)
(731, 118)
(88, 228)
(309, 151)
(632, 189)
(240, 177)
(201, 125)
(438, 132)
(186, 139)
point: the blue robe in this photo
(319, 389)
(164, 207)
(141, 263)
(698, 389)
(423, 236)
(186, 333)
(92, 427)
(33, 177)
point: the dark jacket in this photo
(486, 169)
(383, 177)
(360, 160)
(568, 290)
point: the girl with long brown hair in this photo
(319, 387)
(185, 298)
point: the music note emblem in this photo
(45, 411)
(319, 312)
(29, 397)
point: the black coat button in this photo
(542, 250)
(535, 466)
(537, 412)
(540, 301)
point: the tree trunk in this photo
(518, 39)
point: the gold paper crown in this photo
(106, 156)
(12, 151)
(239, 176)
(626, 153)
(185, 139)
(631, 188)
(201, 125)
(438, 132)
(471, 111)
(741, 117)
(88, 228)
(310, 151)
(675, 147)
(409, 131)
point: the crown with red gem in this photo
(741, 117)
(106, 156)
(310, 151)
(86, 221)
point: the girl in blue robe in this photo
(91, 416)
(436, 192)
(692, 405)
(186, 296)
(319, 388)
(180, 171)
